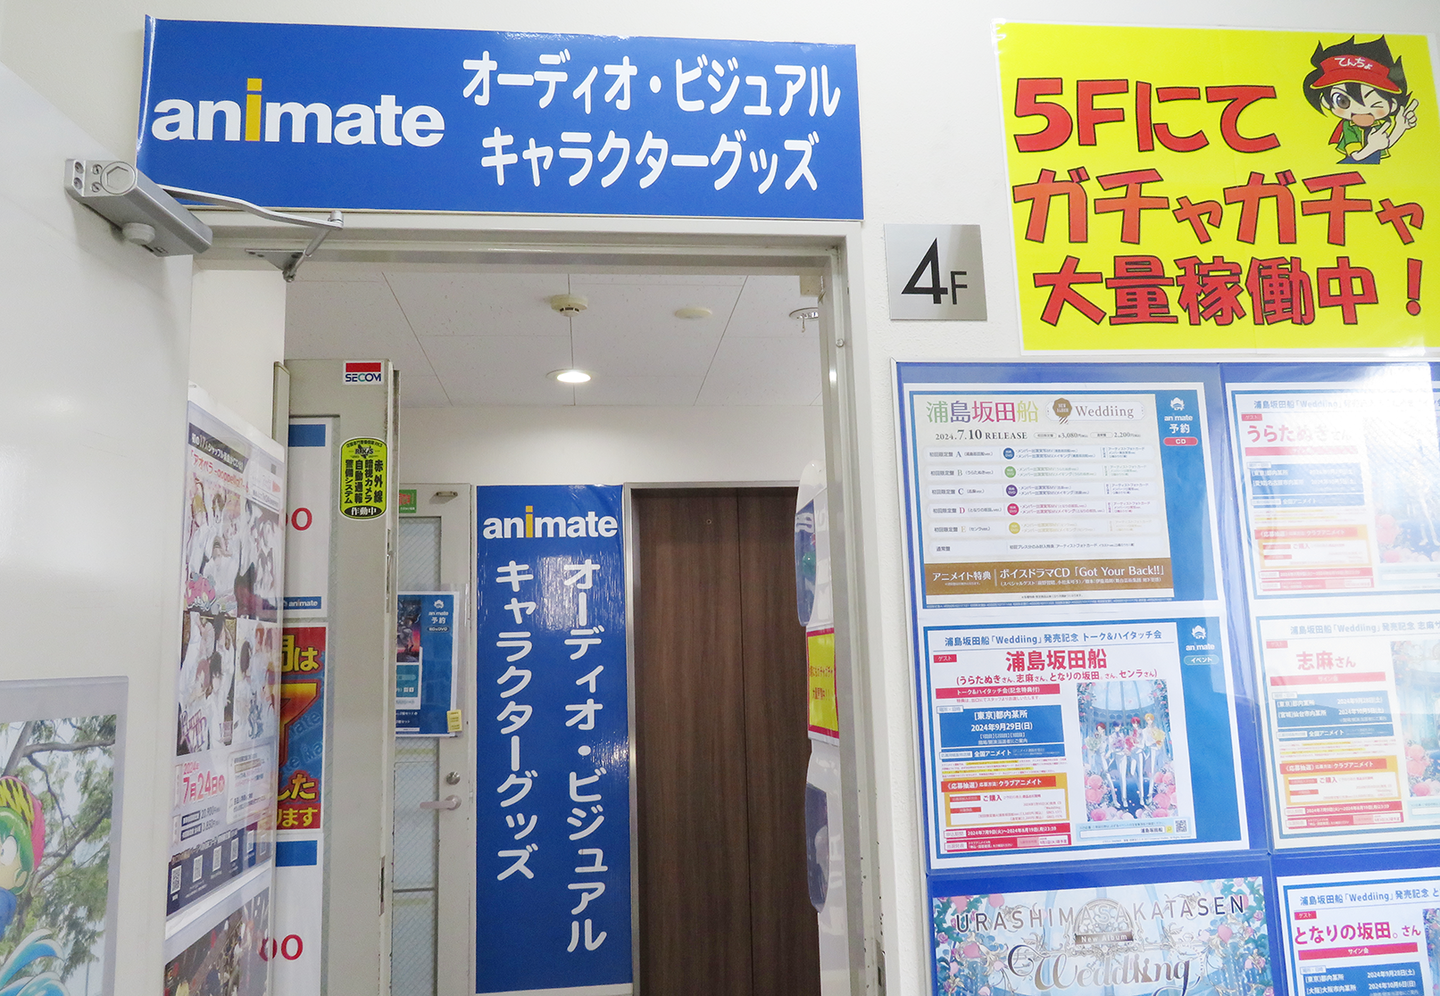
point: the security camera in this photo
(129, 200)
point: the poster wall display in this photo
(1171, 938)
(61, 742)
(1362, 933)
(1071, 636)
(553, 758)
(457, 120)
(425, 661)
(227, 714)
(1208, 188)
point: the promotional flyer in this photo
(426, 638)
(227, 714)
(1183, 188)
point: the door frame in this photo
(830, 250)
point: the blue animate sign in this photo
(552, 741)
(324, 116)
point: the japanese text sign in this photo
(328, 116)
(553, 741)
(1210, 189)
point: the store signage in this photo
(333, 116)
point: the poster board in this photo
(426, 655)
(1322, 482)
(1077, 688)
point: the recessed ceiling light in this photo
(812, 314)
(693, 311)
(570, 376)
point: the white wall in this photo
(930, 126)
(603, 445)
(237, 336)
(91, 490)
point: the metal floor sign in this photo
(412, 119)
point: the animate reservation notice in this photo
(1046, 494)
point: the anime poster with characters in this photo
(58, 836)
(1128, 753)
(1178, 188)
(1206, 938)
(227, 712)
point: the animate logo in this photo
(348, 124)
(364, 372)
(532, 526)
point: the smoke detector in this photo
(569, 305)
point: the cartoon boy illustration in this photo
(1364, 86)
(22, 844)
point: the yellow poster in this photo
(820, 653)
(1213, 189)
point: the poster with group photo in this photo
(1211, 188)
(1045, 737)
(227, 717)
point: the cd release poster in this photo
(1204, 938)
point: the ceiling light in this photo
(810, 314)
(693, 311)
(570, 376)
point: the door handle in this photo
(449, 802)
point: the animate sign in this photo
(326, 116)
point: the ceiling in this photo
(474, 337)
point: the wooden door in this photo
(721, 749)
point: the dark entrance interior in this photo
(721, 748)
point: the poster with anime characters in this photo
(1128, 754)
(227, 685)
(58, 833)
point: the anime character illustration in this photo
(1152, 753)
(1127, 756)
(1362, 85)
(22, 844)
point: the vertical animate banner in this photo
(1214, 189)
(227, 715)
(553, 741)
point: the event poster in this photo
(1077, 736)
(1060, 491)
(1185, 188)
(552, 747)
(1185, 938)
(1363, 934)
(1076, 688)
(1353, 739)
(425, 661)
(1341, 483)
(59, 828)
(227, 691)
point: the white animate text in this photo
(349, 124)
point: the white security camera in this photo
(129, 200)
